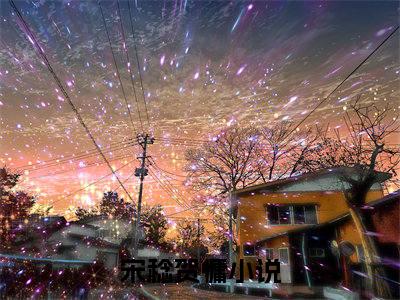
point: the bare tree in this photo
(217, 234)
(188, 232)
(276, 143)
(224, 165)
(282, 149)
(367, 150)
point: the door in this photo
(284, 259)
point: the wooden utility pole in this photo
(143, 141)
(230, 244)
(198, 241)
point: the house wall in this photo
(253, 221)
(276, 243)
(386, 221)
(82, 250)
(325, 193)
(348, 232)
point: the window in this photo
(284, 255)
(272, 214)
(310, 214)
(269, 253)
(317, 252)
(299, 216)
(291, 214)
(278, 214)
(248, 250)
(284, 214)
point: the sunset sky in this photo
(205, 65)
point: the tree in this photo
(190, 238)
(154, 223)
(155, 227)
(83, 213)
(218, 233)
(224, 165)
(367, 151)
(14, 207)
(276, 143)
(113, 205)
(281, 149)
(41, 209)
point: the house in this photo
(300, 220)
(97, 237)
(53, 239)
(34, 232)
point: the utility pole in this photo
(230, 243)
(198, 242)
(143, 141)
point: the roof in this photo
(272, 185)
(42, 259)
(95, 241)
(87, 220)
(392, 197)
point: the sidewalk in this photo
(184, 291)
(273, 291)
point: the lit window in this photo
(291, 214)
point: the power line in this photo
(74, 156)
(341, 83)
(182, 139)
(75, 169)
(184, 210)
(116, 67)
(167, 183)
(193, 219)
(125, 45)
(181, 143)
(126, 179)
(42, 55)
(168, 189)
(59, 162)
(138, 62)
(164, 171)
(93, 183)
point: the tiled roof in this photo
(271, 185)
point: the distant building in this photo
(53, 239)
(97, 237)
(299, 221)
(34, 232)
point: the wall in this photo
(253, 224)
(348, 232)
(386, 221)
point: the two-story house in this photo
(299, 220)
